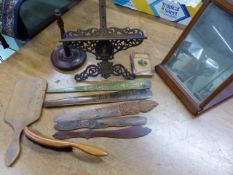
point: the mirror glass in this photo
(204, 60)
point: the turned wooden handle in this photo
(62, 144)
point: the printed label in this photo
(126, 3)
(169, 10)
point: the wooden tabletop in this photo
(179, 143)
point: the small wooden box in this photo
(141, 64)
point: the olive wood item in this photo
(126, 133)
(108, 86)
(100, 98)
(41, 140)
(101, 123)
(23, 109)
(121, 109)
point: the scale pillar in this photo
(103, 15)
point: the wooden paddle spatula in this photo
(23, 109)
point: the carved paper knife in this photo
(101, 123)
(102, 98)
(122, 109)
(126, 133)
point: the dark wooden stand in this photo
(63, 57)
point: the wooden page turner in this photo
(24, 108)
(112, 97)
(116, 110)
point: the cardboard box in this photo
(180, 11)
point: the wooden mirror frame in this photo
(223, 92)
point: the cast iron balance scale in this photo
(104, 43)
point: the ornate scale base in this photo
(105, 69)
(76, 59)
(103, 42)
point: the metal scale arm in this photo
(120, 39)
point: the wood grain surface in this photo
(23, 109)
(53, 143)
(112, 97)
(179, 143)
(132, 132)
(115, 110)
(101, 123)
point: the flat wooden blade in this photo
(126, 133)
(114, 97)
(121, 109)
(23, 109)
(101, 123)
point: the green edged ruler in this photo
(109, 86)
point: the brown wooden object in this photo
(220, 94)
(101, 123)
(42, 140)
(112, 97)
(23, 109)
(122, 109)
(125, 133)
(63, 57)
